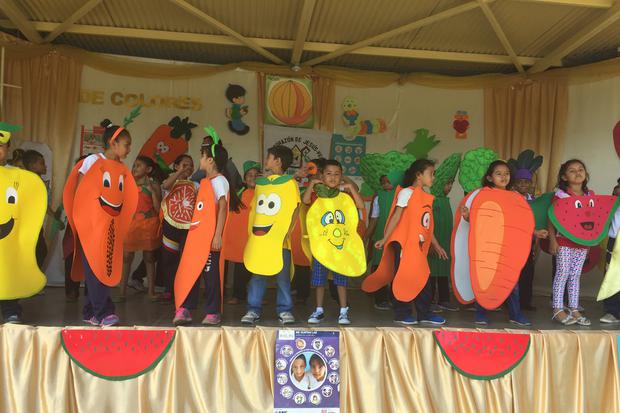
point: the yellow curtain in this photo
(46, 106)
(382, 370)
(528, 115)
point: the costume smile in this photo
(6, 228)
(338, 246)
(110, 208)
(588, 226)
(193, 225)
(261, 230)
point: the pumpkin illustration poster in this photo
(288, 102)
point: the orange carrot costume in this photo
(236, 230)
(99, 210)
(414, 233)
(144, 230)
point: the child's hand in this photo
(379, 244)
(216, 244)
(465, 213)
(347, 187)
(315, 181)
(541, 233)
(441, 253)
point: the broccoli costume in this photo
(442, 213)
(473, 167)
(375, 165)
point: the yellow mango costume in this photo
(332, 223)
(23, 202)
(271, 214)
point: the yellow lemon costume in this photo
(23, 202)
(332, 228)
(271, 214)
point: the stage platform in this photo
(383, 367)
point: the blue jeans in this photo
(258, 285)
(512, 302)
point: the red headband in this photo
(118, 131)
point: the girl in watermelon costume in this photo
(176, 211)
(570, 256)
(420, 174)
(143, 233)
(241, 275)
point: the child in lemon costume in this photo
(335, 243)
(273, 213)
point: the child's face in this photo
(121, 147)
(139, 169)
(575, 174)
(427, 177)
(39, 166)
(273, 164)
(448, 187)
(500, 178)
(207, 163)
(385, 183)
(187, 166)
(4, 151)
(523, 186)
(299, 368)
(332, 175)
(250, 178)
(318, 370)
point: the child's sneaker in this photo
(92, 321)
(481, 319)
(212, 319)
(435, 308)
(136, 285)
(343, 318)
(182, 317)
(434, 320)
(521, 320)
(316, 317)
(383, 306)
(406, 321)
(448, 306)
(13, 319)
(609, 319)
(286, 317)
(109, 320)
(250, 317)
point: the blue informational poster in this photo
(349, 152)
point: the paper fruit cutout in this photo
(236, 230)
(473, 167)
(611, 282)
(198, 243)
(482, 356)
(169, 141)
(414, 233)
(275, 200)
(116, 354)
(357, 126)
(496, 249)
(100, 211)
(616, 135)
(422, 144)
(334, 240)
(288, 102)
(461, 124)
(178, 206)
(23, 202)
(236, 96)
(584, 219)
(445, 172)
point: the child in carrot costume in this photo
(420, 174)
(498, 176)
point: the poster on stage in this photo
(307, 372)
(288, 102)
(349, 152)
(306, 144)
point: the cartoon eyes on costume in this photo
(162, 147)
(199, 206)
(107, 181)
(591, 203)
(268, 205)
(578, 204)
(11, 195)
(121, 181)
(329, 217)
(426, 220)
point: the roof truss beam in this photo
(302, 30)
(78, 14)
(19, 19)
(499, 32)
(595, 4)
(275, 43)
(222, 27)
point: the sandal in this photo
(568, 319)
(581, 320)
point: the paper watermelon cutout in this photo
(540, 208)
(178, 205)
(616, 134)
(584, 219)
(482, 356)
(116, 354)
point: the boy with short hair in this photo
(279, 159)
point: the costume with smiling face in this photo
(414, 233)
(271, 214)
(99, 211)
(198, 244)
(23, 202)
(332, 228)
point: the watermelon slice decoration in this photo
(482, 356)
(116, 354)
(178, 205)
(584, 219)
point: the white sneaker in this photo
(343, 318)
(316, 317)
(609, 319)
(250, 318)
(136, 285)
(286, 317)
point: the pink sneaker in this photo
(212, 319)
(182, 317)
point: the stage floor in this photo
(50, 309)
